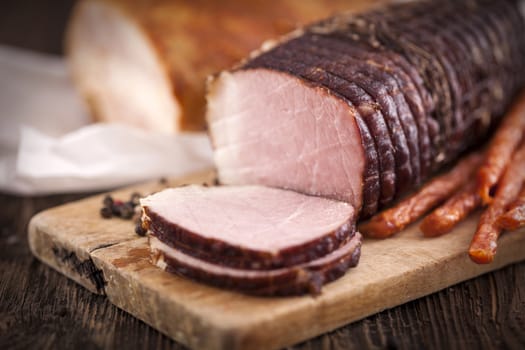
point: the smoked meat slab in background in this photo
(134, 60)
(107, 257)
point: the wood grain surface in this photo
(40, 308)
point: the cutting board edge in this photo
(70, 261)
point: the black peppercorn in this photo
(106, 212)
(127, 210)
(108, 201)
(116, 207)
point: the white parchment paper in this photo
(48, 146)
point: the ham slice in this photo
(145, 63)
(249, 227)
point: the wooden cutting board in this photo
(107, 257)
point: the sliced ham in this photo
(361, 108)
(299, 279)
(250, 227)
(145, 62)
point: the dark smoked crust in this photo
(519, 42)
(449, 25)
(363, 36)
(371, 188)
(484, 98)
(383, 25)
(487, 96)
(308, 68)
(295, 280)
(461, 51)
(509, 23)
(434, 79)
(481, 98)
(399, 17)
(458, 66)
(469, 53)
(502, 18)
(419, 34)
(499, 28)
(316, 279)
(432, 45)
(475, 25)
(478, 101)
(222, 253)
(494, 32)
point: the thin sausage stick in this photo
(409, 210)
(484, 243)
(514, 218)
(501, 147)
(456, 208)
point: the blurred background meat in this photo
(145, 62)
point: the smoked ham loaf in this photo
(145, 63)
(254, 239)
(362, 108)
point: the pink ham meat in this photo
(273, 129)
(257, 239)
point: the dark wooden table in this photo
(40, 308)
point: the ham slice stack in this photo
(254, 239)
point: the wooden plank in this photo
(107, 257)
